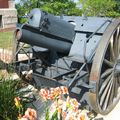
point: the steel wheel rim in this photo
(101, 99)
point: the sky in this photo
(75, 0)
(17, 1)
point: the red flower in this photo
(23, 118)
(31, 114)
(64, 90)
(45, 93)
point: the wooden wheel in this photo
(105, 71)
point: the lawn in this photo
(6, 39)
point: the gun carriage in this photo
(81, 53)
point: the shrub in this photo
(7, 94)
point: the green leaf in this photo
(100, 7)
(54, 116)
(47, 115)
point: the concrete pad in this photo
(113, 115)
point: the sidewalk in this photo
(113, 115)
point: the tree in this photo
(99, 8)
(65, 7)
(117, 8)
(56, 7)
(23, 7)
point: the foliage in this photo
(117, 8)
(7, 94)
(61, 7)
(109, 8)
(99, 8)
(20, 103)
(12, 105)
(56, 7)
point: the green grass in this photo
(6, 40)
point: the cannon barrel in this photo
(47, 31)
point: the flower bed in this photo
(62, 108)
(57, 103)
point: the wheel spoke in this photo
(116, 43)
(111, 95)
(106, 73)
(112, 92)
(118, 80)
(109, 63)
(106, 102)
(104, 84)
(105, 92)
(111, 49)
(115, 86)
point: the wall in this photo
(4, 4)
(9, 14)
(9, 18)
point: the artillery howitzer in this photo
(81, 53)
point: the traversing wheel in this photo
(105, 71)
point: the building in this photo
(8, 15)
